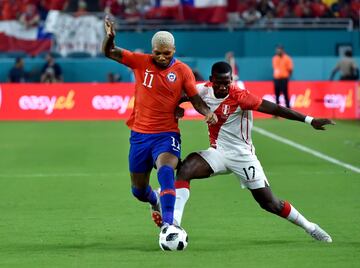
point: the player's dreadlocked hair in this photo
(163, 38)
(221, 67)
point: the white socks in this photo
(295, 217)
(182, 196)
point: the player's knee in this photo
(185, 171)
(183, 176)
(140, 193)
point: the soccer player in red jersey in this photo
(160, 81)
(231, 149)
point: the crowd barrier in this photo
(114, 101)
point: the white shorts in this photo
(247, 168)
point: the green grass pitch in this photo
(65, 200)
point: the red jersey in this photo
(232, 132)
(157, 92)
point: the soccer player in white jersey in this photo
(231, 148)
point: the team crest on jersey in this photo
(171, 77)
(225, 109)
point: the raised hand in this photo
(109, 27)
(319, 123)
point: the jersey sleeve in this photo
(354, 65)
(245, 99)
(290, 64)
(201, 90)
(132, 59)
(273, 62)
(189, 82)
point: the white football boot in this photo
(320, 234)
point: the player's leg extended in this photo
(253, 177)
(166, 164)
(140, 165)
(272, 204)
(193, 167)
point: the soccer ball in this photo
(173, 238)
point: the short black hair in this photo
(348, 53)
(221, 67)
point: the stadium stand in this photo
(147, 9)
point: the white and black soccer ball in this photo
(173, 237)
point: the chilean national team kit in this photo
(157, 94)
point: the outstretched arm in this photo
(203, 109)
(334, 71)
(277, 110)
(108, 47)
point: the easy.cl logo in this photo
(108, 103)
(47, 103)
(339, 101)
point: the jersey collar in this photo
(169, 65)
(171, 62)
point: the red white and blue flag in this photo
(14, 36)
(209, 11)
(205, 11)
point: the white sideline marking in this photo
(306, 149)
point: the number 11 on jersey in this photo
(175, 144)
(148, 79)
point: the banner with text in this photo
(75, 34)
(112, 101)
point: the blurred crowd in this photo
(30, 12)
(252, 10)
